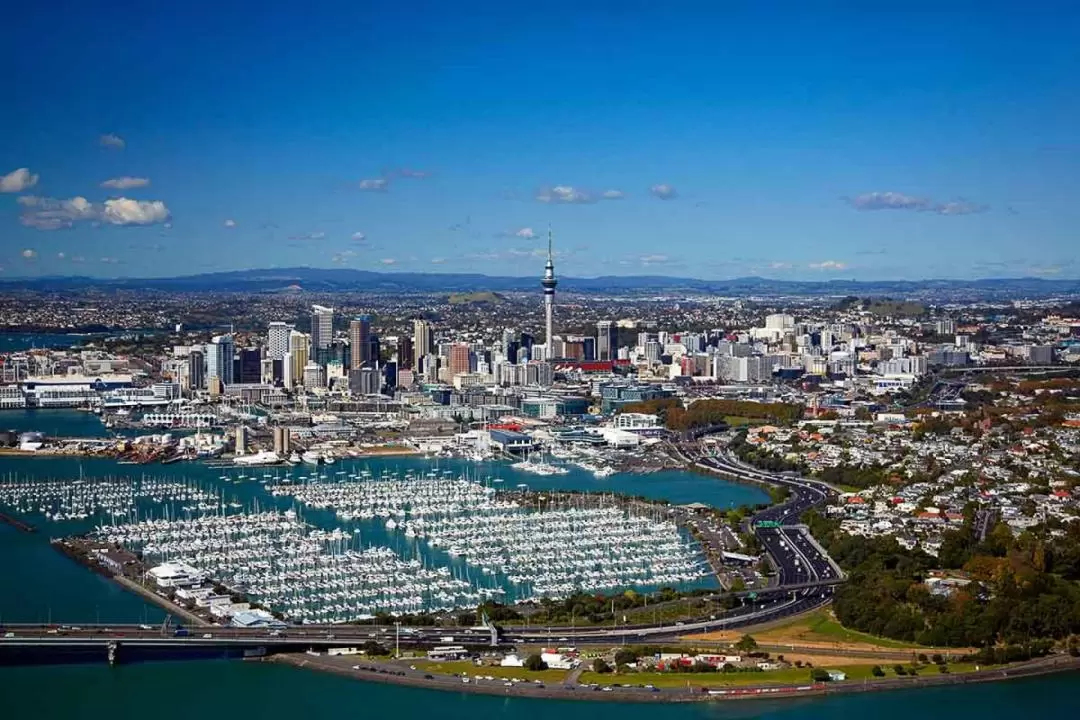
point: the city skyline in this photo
(705, 143)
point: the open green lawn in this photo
(824, 625)
(471, 669)
(790, 676)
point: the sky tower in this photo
(549, 282)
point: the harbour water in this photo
(264, 690)
(17, 342)
(39, 585)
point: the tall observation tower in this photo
(549, 282)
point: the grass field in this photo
(790, 676)
(467, 666)
(819, 629)
(824, 625)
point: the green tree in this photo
(746, 644)
(534, 662)
(599, 665)
(876, 671)
(819, 675)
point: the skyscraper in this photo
(360, 341)
(459, 359)
(549, 282)
(219, 359)
(322, 327)
(196, 370)
(607, 342)
(422, 340)
(277, 339)
(404, 352)
(298, 351)
(248, 366)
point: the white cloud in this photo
(438, 261)
(613, 195)
(29, 254)
(526, 232)
(653, 259)
(388, 261)
(828, 265)
(17, 180)
(319, 235)
(125, 183)
(779, 266)
(52, 214)
(229, 223)
(111, 140)
(900, 201)
(565, 194)
(109, 260)
(663, 191)
(374, 184)
(417, 174)
(60, 255)
(359, 237)
(125, 211)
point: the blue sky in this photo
(703, 139)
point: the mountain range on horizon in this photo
(346, 279)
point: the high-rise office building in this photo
(196, 370)
(219, 359)
(423, 339)
(404, 352)
(248, 365)
(298, 352)
(459, 359)
(607, 340)
(277, 339)
(360, 341)
(374, 351)
(322, 327)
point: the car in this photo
(207, 636)
(429, 676)
(508, 684)
(465, 680)
(145, 627)
(9, 634)
(607, 688)
(412, 667)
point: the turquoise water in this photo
(39, 583)
(224, 689)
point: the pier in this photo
(17, 523)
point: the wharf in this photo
(127, 572)
(17, 523)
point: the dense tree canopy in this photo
(1022, 589)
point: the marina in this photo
(340, 523)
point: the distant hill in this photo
(343, 280)
(483, 297)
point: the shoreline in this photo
(394, 674)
